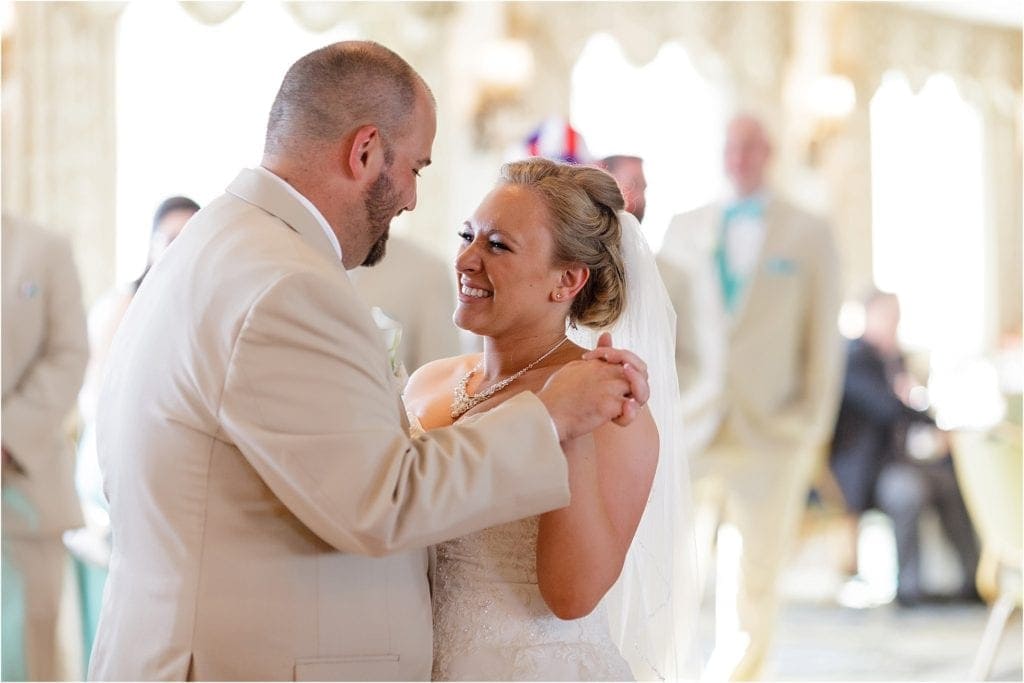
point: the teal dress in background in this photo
(90, 546)
(12, 597)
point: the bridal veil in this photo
(653, 607)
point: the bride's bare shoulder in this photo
(440, 371)
(433, 382)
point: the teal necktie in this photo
(730, 281)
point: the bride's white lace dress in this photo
(491, 623)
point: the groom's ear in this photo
(572, 280)
(365, 156)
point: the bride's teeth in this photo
(479, 293)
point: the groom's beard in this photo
(380, 203)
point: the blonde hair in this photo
(582, 202)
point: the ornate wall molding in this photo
(876, 37)
(985, 63)
(59, 127)
(211, 12)
(59, 110)
(714, 33)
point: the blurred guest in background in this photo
(45, 351)
(754, 281)
(427, 331)
(168, 221)
(889, 455)
(628, 172)
(554, 139)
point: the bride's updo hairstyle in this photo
(582, 202)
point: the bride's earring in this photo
(558, 296)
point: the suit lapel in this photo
(711, 230)
(261, 191)
(709, 238)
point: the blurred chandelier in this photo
(503, 72)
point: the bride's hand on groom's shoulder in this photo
(608, 384)
(636, 374)
(609, 354)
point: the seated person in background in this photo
(877, 466)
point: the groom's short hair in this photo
(338, 87)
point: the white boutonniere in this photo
(391, 333)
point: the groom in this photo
(253, 441)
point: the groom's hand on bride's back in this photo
(607, 385)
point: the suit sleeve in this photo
(309, 403)
(694, 347)
(700, 354)
(34, 410)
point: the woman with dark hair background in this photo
(169, 219)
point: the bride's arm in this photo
(581, 548)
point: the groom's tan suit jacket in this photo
(256, 458)
(767, 377)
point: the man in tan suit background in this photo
(253, 440)
(416, 288)
(756, 288)
(45, 351)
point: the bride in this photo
(584, 592)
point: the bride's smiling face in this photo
(506, 273)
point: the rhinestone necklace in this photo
(463, 401)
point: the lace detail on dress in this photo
(491, 623)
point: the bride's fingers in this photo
(639, 389)
(619, 356)
(634, 372)
(630, 409)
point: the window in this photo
(928, 232)
(676, 128)
(192, 105)
(929, 238)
